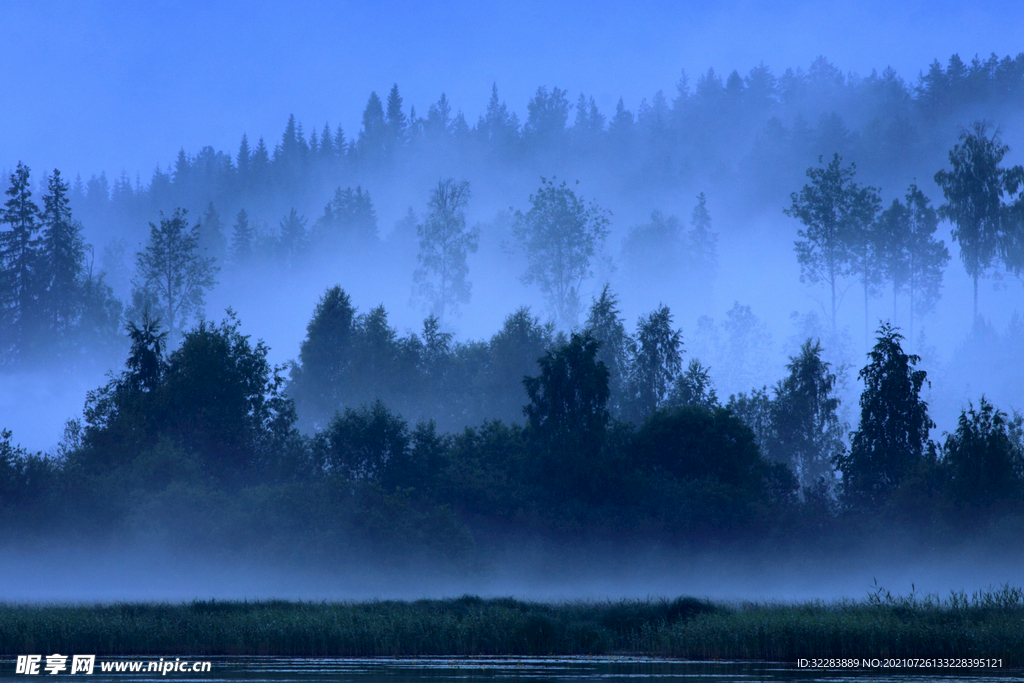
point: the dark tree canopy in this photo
(893, 434)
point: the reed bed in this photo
(989, 624)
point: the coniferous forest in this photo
(564, 421)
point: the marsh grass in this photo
(984, 624)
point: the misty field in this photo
(984, 625)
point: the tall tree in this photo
(444, 244)
(912, 259)
(211, 235)
(560, 235)
(396, 121)
(63, 257)
(292, 242)
(807, 433)
(373, 137)
(657, 361)
(241, 240)
(894, 424)
(568, 412)
(173, 272)
(703, 243)
(832, 208)
(243, 163)
(615, 348)
(865, 245)
(319, 379)
(974, 189)
(19, 260)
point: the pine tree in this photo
(20, 283)
(703, 243)
(241, 241)
(396, 121)
(243, 163)
(212, 242)
(261, 164)
(327, 151)
(63, 258)
(438, 123)
(373, 137)
(292, 243)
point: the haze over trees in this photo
(173, 275)
(445, 242)
(561, 236)
(974, 188)
(562, 421)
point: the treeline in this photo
(758, 131)
(54, 305)
(614, 440)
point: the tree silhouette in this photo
(19, 260)
(833, 209)
(894, 424)
(444, 244)
(974, 189)
(172, 271)
(807, 433)
(560, 235)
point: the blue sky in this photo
(111, 86)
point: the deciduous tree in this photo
(560, 236)
(173, 273)
(444, 243)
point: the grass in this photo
(986, 624)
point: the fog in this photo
(107, 95)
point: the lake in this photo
(604, 669)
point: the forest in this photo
(562, 423)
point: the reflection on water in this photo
(434, 669)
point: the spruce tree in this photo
(63, 258)
(241, 240)
(293, 239)
(396, 121)
(19, 263)
(703, 244)
(243, 164)
(212, 242)
(373, 137)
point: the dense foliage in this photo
(201, 441)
